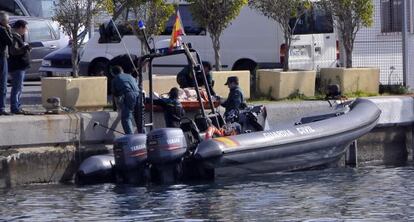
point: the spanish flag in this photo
(178, 30)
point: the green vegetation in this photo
(73, 16)
(154, 14)
(216, 15)
(283, 11)
(350, 16)
(397, 89)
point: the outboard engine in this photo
(166, 149)
(96, 169)
(254, 119)
(131, 158)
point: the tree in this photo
(287, 13)
(350, 16)
(154, 14)
(216, 15)
(73, 16)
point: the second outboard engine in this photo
(254, 119)
(166, 148)
(131, 158)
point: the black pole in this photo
(141, 117)
(210, 101)
(96, 123)
(151, 95)
(193, 64)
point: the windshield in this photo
(12, 7)
(315, 21)
(191, 27)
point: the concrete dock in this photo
(49, 148)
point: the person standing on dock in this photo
(6, 40)
(19, 61)
(125, 89)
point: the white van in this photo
(252, 40)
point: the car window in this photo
(55, 29)
(191, 27)
(109, 33)
(39, 31)
(11, 6)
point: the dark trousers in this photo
(3, 82)
(16, 91)
(129, 111)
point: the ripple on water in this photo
(366, 194)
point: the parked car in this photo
(59, 62)
(44, 36)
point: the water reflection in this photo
(368, 194)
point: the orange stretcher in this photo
(187, 105)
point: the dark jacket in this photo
(19, 54)
(173, 111)
(235, 100)
(6, 40)
(123, 84)
(185, 79)
(126, 86)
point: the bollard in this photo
(351, 158)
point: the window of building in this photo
(391, 19)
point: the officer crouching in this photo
(126, 91)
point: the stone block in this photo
(83, 93)
(279, 84)
(220, 77)
(161, 84)
(351, 80)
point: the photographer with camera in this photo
(19, 61)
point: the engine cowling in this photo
(166, 145)
(130, 151)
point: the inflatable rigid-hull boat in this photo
(165, 156)
(314, 141)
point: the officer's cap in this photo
(231, 79)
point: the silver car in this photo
(44, 36)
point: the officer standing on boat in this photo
(235, 100)
(125, 89)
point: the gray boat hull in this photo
(289, 147)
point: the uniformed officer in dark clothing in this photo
(185, 77)
(235, 100)
(125, 89)
(173, 110)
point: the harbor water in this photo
(339, 194)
